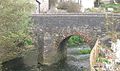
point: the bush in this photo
(14, 25)
(116, 7)
(75, 40)
(69, 6)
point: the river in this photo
(75, 62)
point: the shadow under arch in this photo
(62, 50)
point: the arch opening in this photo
(74, 51)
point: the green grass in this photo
(111, 5)
(86, 51)
(103, 60)
(116, 7)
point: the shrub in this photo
(75, 40)
(62, 5)
(14, 25)
(69, 6)
(116, 7)
(73, 7)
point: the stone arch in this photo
(89, 39)
(62, 49)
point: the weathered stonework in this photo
(51, 31)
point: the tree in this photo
(14, 24)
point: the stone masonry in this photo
(51, 30)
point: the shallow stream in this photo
(75, 62)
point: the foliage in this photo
(103, 60)
(111, 5)
(86, 51)
(75, 40)
(14, 22)
(69, 6)
(104, 7)
(116, 7)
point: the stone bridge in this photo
(52, 31)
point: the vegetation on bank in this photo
(85, 51)
(14, 27)
(105, 53)
(75, 40)
(78, 42)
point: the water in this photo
(74, 62)
(75, 58)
